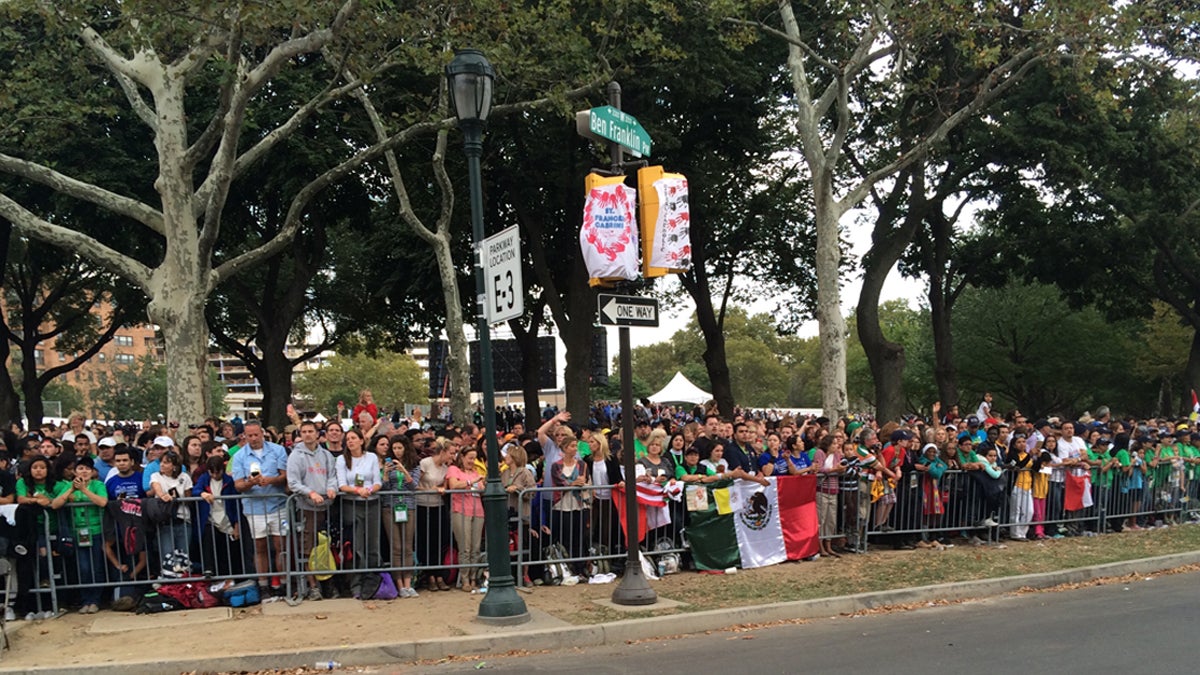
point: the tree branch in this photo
(111, 201)
(76, 242)
(995, 84)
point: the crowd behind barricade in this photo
(379, 506)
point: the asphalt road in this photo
(1140, 627)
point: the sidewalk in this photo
(437, 625)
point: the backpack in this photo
(556, 569)
(189, 595)
(387, 588)
(155, 602)
(369, 585)
(242, 595)
(600, 564)
(479, 575)
(667, 560)
(175, 565)
(321, 558)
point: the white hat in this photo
(108, 442)
(164, 442)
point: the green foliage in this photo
(140, 392)
(766, 369)
(1026, 345)
(394, 379)
(70, 398)
(905, 326)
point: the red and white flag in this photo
(652, 511)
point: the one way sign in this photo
(628, 310)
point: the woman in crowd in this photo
(518, 480)
(169, 484)
(84, 519)
(432, 515)
(218, 518)
(798, 460)
(828, 471)
(358, 483)
(605, 471)
(567, 521)
(772, 462)
(676, 446)
(466, 513)
(192, 452)
(401, 472)
(36, 491)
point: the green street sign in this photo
(622, 128)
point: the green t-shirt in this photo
(682, 470)
(89, 517)
(1162, 472)
(50, 491)
(1101, 478)
(1189, 452)
(639, 449)
(583, 449)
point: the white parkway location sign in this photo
(504, 293)
(627, 310)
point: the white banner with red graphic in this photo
(609, 237)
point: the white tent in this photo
(681, 390)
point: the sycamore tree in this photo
(161, 60)
(849, 62)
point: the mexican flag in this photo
(750, 525)
(1078, 495)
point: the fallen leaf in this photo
(320, 617)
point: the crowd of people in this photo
(111, 508)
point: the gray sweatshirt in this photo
(310, 471)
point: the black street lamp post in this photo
(470, 78)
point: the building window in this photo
(102, 357)
(124, 341)
(126, 359)
(39, 356)
(62, 356)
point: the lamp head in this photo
(470, 77)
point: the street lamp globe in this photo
(470, 77)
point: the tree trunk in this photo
(1192, 373)
(457, 363)
(31, 386)
(10, 405)
(275, 377)
(889, 242)
(715, 361)
(941, 308)
(832, 325)
(531, 357)
(179, 313)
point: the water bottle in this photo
(328, 665)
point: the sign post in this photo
(623, 130)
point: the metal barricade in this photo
(427, 537)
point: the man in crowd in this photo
(260, 471)
(312, 477)
(333, 438)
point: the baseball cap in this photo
(164, 442)
(901, 435)
(973, 421)
(108, 442)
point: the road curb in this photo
(618, 632)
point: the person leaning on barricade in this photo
(312, 478)
(260, 472)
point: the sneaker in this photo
(987, 522)
(410, 592)
(1058, 535)
(9, 614)
(314, 594)
(976, 541)
(32, 616)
